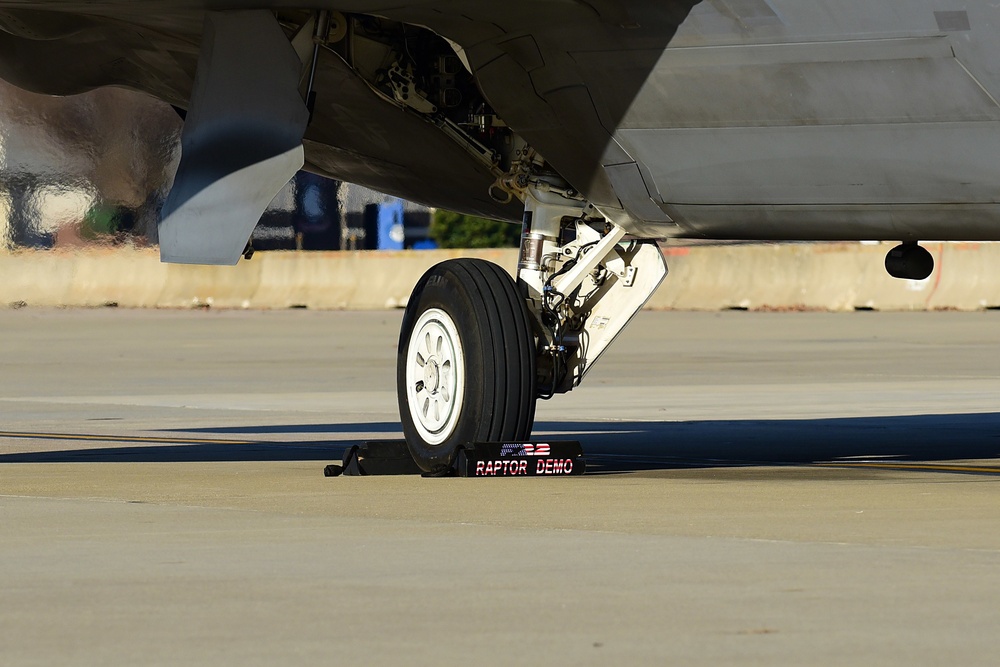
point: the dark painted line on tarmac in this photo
(918, 467)
(121, 438)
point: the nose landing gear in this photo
(909, 261)
(476, 348)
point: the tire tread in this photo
(501, 347)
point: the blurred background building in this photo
(316, 213)
(94, 169)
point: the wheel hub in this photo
(435, 376)
(432, 376)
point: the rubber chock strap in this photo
(383, 457)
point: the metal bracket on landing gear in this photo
(582, 292)
(481, 459)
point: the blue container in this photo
(391, 232)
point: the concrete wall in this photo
(792, 276)
(827, 277)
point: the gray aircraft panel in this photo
(913, 163)
(830, 83)
(763, 119)
(800, 112)
(840, 222)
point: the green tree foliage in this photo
(454, 230)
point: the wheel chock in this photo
(521, 459)
(380, 457)
(481, 459)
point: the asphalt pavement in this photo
(763, 488)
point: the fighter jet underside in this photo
(603, 124)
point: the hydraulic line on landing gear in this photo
(320, 37)
(552, 300)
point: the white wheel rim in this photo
(435, 376)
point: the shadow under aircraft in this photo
(610, 447)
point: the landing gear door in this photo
(242, 139)
(636, 271)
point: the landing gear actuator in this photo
(583, 281)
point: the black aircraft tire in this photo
(466, 362)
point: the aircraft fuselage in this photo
(750, 119)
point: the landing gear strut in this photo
(584, 283)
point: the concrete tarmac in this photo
(764, 489)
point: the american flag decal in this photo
(512, 450)
(525, 449)
(522, 459)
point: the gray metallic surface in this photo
(779, 119)
(242, 139)
(856, 120)
(358, 136)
